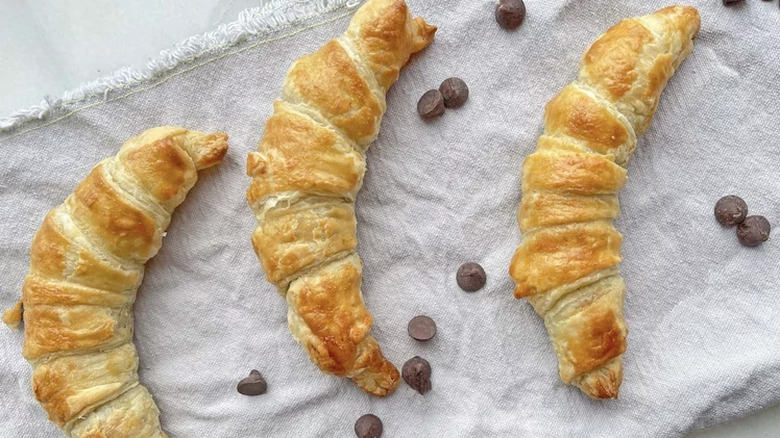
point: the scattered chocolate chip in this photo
(422, 328)
(368, 426)
(431, 104)
(253, 385)
(454, 91)
(728, 2)
(417, 374)
(753, 230)
(471, 277)
(510, 13)
(730, 210)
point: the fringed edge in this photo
(253, 22)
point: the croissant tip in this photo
(687, 17)
(522, 292)
(381, 382)
(13, 317)
(210, 149)
(604, 382)
(424, 33)
(377, 376)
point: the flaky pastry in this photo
(306, 174)
(86, 263)
(567, 263)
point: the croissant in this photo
(86, 263)
(305, 175)
(567, 262)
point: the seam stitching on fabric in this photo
(274, 16)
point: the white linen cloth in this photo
(703, 312)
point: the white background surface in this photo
(51, 46)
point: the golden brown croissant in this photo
(86, 263)
(567, 263)
(306, 173)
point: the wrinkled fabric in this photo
(703, 312)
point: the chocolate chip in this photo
(471, 277)
(753, 230)
(368, 426)
(253, 385)
(510, 13)
(454, 91)
(730, 210)
(728, 2)
(422, 328)
(417, 374)
(431, 104)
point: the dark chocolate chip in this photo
(471, 277)
(431, 104)
(253, 385)
(728, 2)
(753, 230)
(510, 13)
(422, 328)
(417, 374)
(730, 210)
(368, 426)
(454, 91)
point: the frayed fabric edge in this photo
(253, 22)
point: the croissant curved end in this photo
(423, 34)
(603, 382)
(687, 19)
(13, 317)
(206, 149)
(375, 374)
(388, 13)
(378, 380)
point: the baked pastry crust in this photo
(306, 174)
(566, 264)
(86, 263)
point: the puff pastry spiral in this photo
(305, 175)
(567, 262)
(86, 263)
